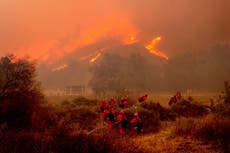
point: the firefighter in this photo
(111, 102)
(111, 118)
(124, 102)
(121, 119)
(178, 96)
(172, 100)
(102, 107)
(143, 98)
(137, 125)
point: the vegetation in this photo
(116, 74)
(29, 124)
(20, 93)
(189, 108)
(214, 127)
(138, 73)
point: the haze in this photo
(51, 30)
(41, 27)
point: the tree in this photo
(116, 74)
(20, 93)
(106, 75)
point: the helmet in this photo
(122, 111)
(109, 106)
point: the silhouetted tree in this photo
(20, 93)
(106, 74)
(118, 74)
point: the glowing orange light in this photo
(151, 48)
(59, 68)
(130, 40)
(94, 59)
(85, 57)
(50, 50)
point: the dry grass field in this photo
(69, 124)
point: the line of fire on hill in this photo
(108, 115)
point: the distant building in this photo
(75, 90)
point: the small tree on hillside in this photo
(107, 75)
(20, 93)
(116, 74)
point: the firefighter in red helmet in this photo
(143, 98)
(137, 125)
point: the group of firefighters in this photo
(176, 98)
(108, 115)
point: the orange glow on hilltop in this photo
(107, 29)
(53, 49)
(92, 55)
(94, 59)
(130, 40)
(151, 48)
(59, 68)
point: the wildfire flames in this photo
(94, 59)
(151, 48)
(59, 68)
(130, 40)
(125, 32)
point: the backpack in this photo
(125, 123)
(111, 117)
(139, 126)
(102, 109)
(141, 99)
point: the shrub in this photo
(210, 129)
(227, 92)
(85, 101)
(149, 118)
(222, 107)
(215, 129)
(164, 113)
(188, 108)
(31, 142)
(20, 93)
(184, 126)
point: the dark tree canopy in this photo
(118, 74)
(20, 93)
(198, 71)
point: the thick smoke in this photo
(61, 32)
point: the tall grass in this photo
(212, 128)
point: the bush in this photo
(222, 107)
(184, 126)
(188, 108)
(227, 92)
(20, 93)
(164, 113)
(211, 128)
(25, 142)
(149, 118)
(215, 129)
(85, 101)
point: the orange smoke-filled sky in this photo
(47, 29)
